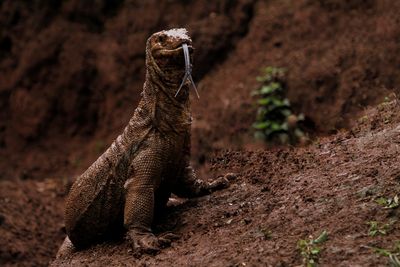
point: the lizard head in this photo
(169, 57)
(166, 49)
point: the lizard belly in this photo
(94, 206)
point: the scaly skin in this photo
(135, 177)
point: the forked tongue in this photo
(188, 71)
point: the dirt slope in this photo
(331, 185)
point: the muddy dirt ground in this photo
(70, 77)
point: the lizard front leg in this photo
(140, 203)
(190, 186)
(138, 217)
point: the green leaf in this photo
(270, 88)
(311, 263)
(315, 251)
(261, 125)
(388, 203)
(286, 102)
(381, 201)
(375, 229)
(286, 112)
(382, 251)
(261, 78)
(264, 101)
(394, 203)
(302, 243)
(321, 238)
(372, 232)
(261, 113)
(278, 103)
(276, 126)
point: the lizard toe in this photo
(219, 183)
(144, 242)
(148, 246)
(170, 236)
(166, 239)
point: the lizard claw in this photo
(143, 242)
(219, 183)
(167, 238)
(148, 243)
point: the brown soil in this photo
(331, 185)
(70, 72)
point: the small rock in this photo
(265, 189)
(230, 176)
(247, 220)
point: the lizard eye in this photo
(161, 38)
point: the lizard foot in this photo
(146, 242)
(222, 182)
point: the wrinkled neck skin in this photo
(168, 113)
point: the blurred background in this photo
(71, 73)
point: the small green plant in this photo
(310, 250)
(392, 253)
(275, 121)
(377, 229)
(266, 233)
(388, 203)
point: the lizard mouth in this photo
(167, 52)
(172, 59)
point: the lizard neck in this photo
(157, 111)
(168, 113)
